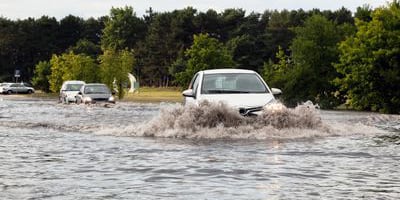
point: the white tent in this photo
(132, 81)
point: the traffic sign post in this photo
(17, 74)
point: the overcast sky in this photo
(21, 9)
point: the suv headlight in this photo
(112, 99)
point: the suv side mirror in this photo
(80, 93)
(276, 91)
(189, 93)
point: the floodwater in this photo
(165, 151)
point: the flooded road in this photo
(151, 151)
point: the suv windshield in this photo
(73, 87)
(97, 89)
(232, 83)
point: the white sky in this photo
(21, 9)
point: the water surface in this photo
(54, 151)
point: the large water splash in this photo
(219, 121)
(205, 121)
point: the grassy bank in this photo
(144, 94)
(40, 94)
(155, 94)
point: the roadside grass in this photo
(155, 94)
(41, 94)
(143, 95)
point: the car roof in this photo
(228, 71)
(74, 82)
(94, 84)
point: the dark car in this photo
(94, 92)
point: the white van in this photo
(69, 90)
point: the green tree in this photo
(7, 41)
(114, 68)
(183, 27)
(41, 78)
(363, 13)
(230, 20)
(276, 74)
(314, 49)
(205, 53)
(92, 30)
(80, 67)
(86, 47)
(370, 62)
(278, 31)
(208, 22)
(342, 16)
(71, 28)
(247, 46)
(57, 72)
(122, 29)
(178, 66)
(156, 53)
(70, 66)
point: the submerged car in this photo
(9, 88)
(93, 93)
(69, 90)
(244, 90)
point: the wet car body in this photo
(94, 93)
(69, 90)
(244, 90)
(9, 88)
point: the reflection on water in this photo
(53, 151)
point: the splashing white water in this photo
(218, 121)
(205, 121)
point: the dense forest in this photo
(329, 57)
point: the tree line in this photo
(329, 57)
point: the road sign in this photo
(17, 73)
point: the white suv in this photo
(244, 90)
(69, 91)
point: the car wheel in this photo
(30, 91)
(9, 92)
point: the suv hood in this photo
(71, 93)
(241, 100)
(99, 96)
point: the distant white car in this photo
(3, 87)
(9, 88)
(244, 90)
(69, 90)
